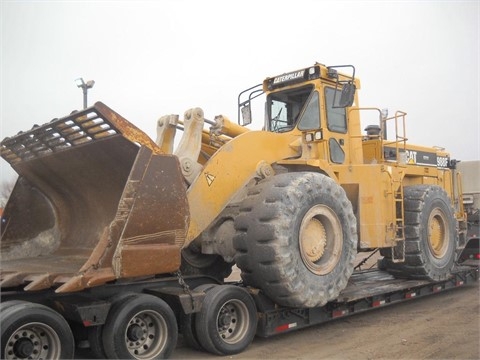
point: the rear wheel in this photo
(430, 235)
(140, 327)
(34, 331)
(296, 239)
(227, 322)
(7, 304)
(95, 333)
(188, 321)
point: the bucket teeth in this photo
(40, 282)
(31, 282)
(12, 279)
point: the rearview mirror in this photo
(348, 95)
(246, 115)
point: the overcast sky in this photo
(150, 58)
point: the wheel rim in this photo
(33, 341)
(437, 233)
(146, 334)
(320, 239)
(233, 321)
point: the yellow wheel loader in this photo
(293, 204)
(98, 202)
(115, 240)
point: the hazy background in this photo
(150, 58)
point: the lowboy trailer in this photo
(228, 314)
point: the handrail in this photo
(459, 198)
(399, 138)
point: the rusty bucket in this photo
(95, 201)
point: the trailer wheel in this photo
(140, 327)
(7, 304)
(34, 331)
(187, 323)
(95, 333)
(187, 326)
(227, 322)
(296, 239)
(430, 235)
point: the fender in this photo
(230, 169)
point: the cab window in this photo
(310, 118)
(336, 116)
(284, 108)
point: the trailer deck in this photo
(366, 290)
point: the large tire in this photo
(430, 235)
(34, 331)
(296, 239)
(227, 322)
(140, 327)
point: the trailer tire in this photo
(187, 327)
(430, 235)
(95, 339)
(35, 331)
(187, 323)
(296, 239)
(95, 333)
(227, 322)
(129, 320)
(7, 304)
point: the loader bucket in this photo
(95, 201)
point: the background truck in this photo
(470, 171)
(113, 237)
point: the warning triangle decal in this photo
(209, 178)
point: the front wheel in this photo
(296, 239)
(34, 331)
(227, 322)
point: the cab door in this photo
(336, 126)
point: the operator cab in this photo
(300, 107)
(294, 100)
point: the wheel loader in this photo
(99, 202)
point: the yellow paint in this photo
(372, 180)
(229, 170)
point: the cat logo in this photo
(411, 156)
(289, 77)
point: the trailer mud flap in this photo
(95, 201)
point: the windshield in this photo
(285, 107)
